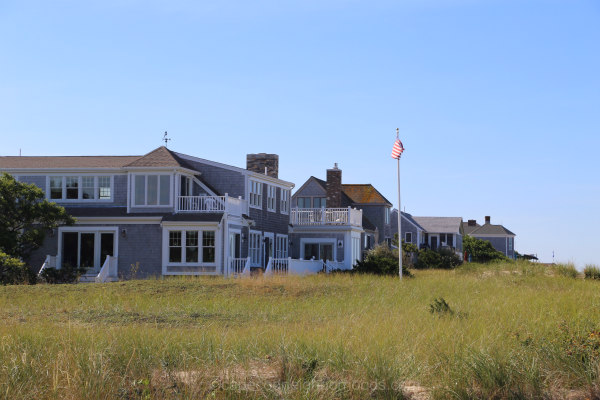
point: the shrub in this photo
(381, 260)
(13, 271)
(567, 270)
(591, 272)
(443, 258)
(66, 274)
(481, 250)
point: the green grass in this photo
(515, 330)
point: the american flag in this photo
(397, 150)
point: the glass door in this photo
(326, 252)
(87, 249)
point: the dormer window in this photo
(152, 190)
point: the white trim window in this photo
(408, 237)
(284, 206)
(151, 190)
(387, 215)
(254, 248)
(271, 198)
(184, 247)
(281, 248)
(79, 188)
(510, 243)
(256, 189)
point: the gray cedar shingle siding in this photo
(376, 214)
(222, 179)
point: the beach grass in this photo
(508, 330)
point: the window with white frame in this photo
(510, 244)
(285, 201)
(447, 239)
(408, 237)
(256, 194)
(271, 197)
(281, 250)
(80, 187)
(255, 247)
(387, 215)
(185, 245)
(152, 190)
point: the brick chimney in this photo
(488, 219)
(258, 163)
(471, 222)
(334, 187)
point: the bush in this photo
(481, 250)
(443, 258)
(591, 272)
(567, 270)
(66, 274)
(381, 260)
(13, 271)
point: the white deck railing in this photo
(326, 216)
(279, 266)
(49, 262)
(108, 272)
(211, 204)
(237, 265)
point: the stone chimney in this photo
(334, 187)
(471, 222)
(262, 162)
(488, 219)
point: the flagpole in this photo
(399, 217)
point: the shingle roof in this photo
(489, 229)
(49, 162)
(364, 194)
(409, 218)
(468, 229)
(440, 224)
(160, 157)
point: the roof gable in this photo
(489, 229)
(160, 157)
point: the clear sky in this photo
(497, 101)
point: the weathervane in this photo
(166, 139)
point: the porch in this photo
(211, 204)
(325, 216)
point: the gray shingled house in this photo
(168, 213)
(501, 238)
(336, 222)
(430, 232)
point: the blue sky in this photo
(497, 101)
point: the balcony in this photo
(211, 204)
(325, 216)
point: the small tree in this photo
(13, 271)
(481, 250)
(26, 216)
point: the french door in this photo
(87, 249)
